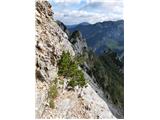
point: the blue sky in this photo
(92, 11)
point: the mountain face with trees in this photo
(72, 81)
(106, 58)
(103, 35)
(106, 68)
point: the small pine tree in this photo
(69, 68)
(64, 63)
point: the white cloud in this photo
(103, 1)
(89, 12)
(87, 1)
(66, 1)
(75, 16)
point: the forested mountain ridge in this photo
(103, 35)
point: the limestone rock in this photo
(51, 41)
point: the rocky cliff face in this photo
(78, 42)
(51, 41)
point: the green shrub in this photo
(72, 83)
(78, 79)
(69, 68)
(81, 79)
(80, 59)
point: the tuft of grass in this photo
(53, 92)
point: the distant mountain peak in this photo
(84, 23)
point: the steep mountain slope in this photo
(106, 59)
(107, 70)
(103, 35)
(51, 41)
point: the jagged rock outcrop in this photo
(63, 27)
(51, 41)
(78, 42)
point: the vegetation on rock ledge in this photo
(52, 94)
(68, 68)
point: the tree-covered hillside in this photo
(102, 35)
(108, 71)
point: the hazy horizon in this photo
(93, 23)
